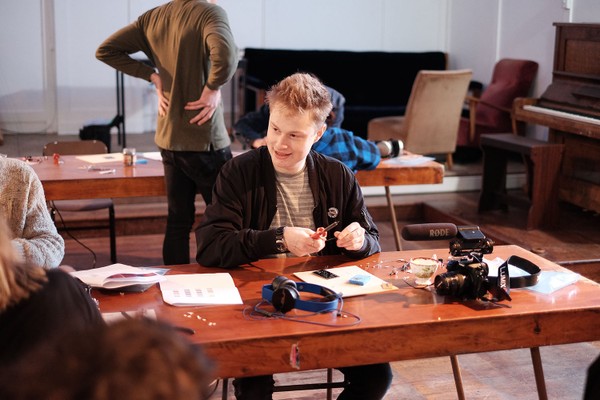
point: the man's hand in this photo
(207, 104)
(299, 241)
(163, 102)
(256, 143)
(351, 238)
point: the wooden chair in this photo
(79, 148)
(490, 112)
(430, 124)
(329, 385)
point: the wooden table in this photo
(396, 325)
(70, 180)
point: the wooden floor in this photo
(499, 375)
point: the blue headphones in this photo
(284, 295)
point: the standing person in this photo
(23, 205)
(270, 201)
(192, 47)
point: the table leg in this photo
(457, 378)
(390, 202)
(539, 373)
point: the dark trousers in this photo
(592, 384)
(365, 382)
(186, 174)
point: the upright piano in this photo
(570, 108)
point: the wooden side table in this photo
(542, 161)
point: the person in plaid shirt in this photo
(355, 152)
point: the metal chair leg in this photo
(329, 380)
(225, 390)
(113, 238)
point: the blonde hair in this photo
(17, 282)
(302, 93)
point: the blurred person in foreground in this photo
(36, 304)
(129, 359)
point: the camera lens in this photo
(450, 284)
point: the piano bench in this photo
(542, 162)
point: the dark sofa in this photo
(374, 83)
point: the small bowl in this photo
(423, 269)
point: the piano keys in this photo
(570, 108)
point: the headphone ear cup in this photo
(331, 297)
(282, 281)
(284, 298)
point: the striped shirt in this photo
(295, 202)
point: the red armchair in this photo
(491, 113)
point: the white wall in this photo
(483, 32)
(22, 79)
(475, 34)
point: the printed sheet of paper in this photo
(342, 284)
(200, 289)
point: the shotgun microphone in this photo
(441, 231)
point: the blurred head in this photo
(130, 359)
(299, 106)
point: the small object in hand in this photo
(360, 279)
(323, 231)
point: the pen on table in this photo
(183, 329)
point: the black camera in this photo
(470, 239)
(466, 277)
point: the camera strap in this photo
(520, 281)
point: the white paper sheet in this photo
(117, 276)
(342, 285)
(409, 159)
(200, 289)
(152, 155)
(101, 158)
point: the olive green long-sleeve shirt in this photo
(191, 45)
